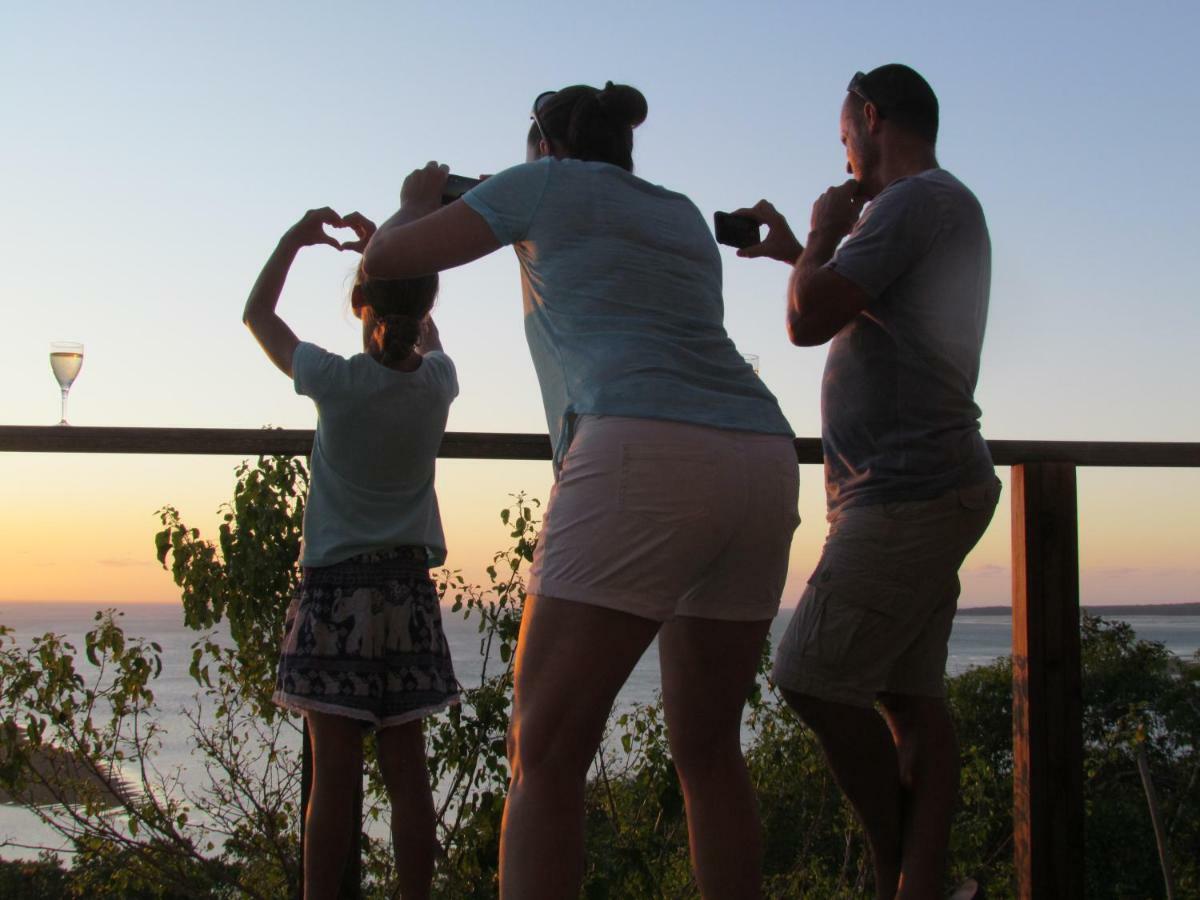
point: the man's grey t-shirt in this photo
(897, 399)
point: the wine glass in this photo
(66, 359)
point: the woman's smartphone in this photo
(736, 231)
(456, 186)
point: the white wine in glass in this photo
(66, 359)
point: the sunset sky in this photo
(152, 154)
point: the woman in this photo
(675, 497)
(363, 647)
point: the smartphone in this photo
(456, 186)
(736, 231)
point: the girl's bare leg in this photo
(328, 832)
(414, 825)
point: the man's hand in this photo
(780, 243)
(820, 301)
(836, 211)
(422, 190)
(310, 230)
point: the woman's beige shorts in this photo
(663, 519)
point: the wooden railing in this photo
(1048, 821)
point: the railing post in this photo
(306, 774)
(352, 874)
(1047, 695)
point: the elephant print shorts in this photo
(363, 639)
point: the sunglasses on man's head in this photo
(856, 87)
(541, 100)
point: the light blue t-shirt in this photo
(623, 307)
(378, 434)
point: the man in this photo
(909, 480)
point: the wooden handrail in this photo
(241, 441)
(513, 445)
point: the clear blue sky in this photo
(153, 153)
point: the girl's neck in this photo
(410, 363)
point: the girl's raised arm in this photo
(273, 334)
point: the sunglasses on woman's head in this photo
(538, 103)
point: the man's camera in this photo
(736, 231)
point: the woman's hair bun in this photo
(593, 124)
(623, 103)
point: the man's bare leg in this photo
(927, 752)
(859, 748)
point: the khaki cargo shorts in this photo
(877, 612)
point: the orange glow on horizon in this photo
(81, 528)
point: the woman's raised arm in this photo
(423, 236)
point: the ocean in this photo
(977, 639)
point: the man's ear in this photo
(871, 117)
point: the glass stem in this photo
(64, 406)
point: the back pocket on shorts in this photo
(783, 479)
(666, 484)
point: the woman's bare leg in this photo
(572, 659)
(328, 831)
(414, 825)
(708, 669)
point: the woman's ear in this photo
(540, 150)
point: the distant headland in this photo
(1114, 611)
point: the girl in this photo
(363, 646)
(675, 500)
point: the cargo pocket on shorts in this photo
(665, 484)
(854, 633)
